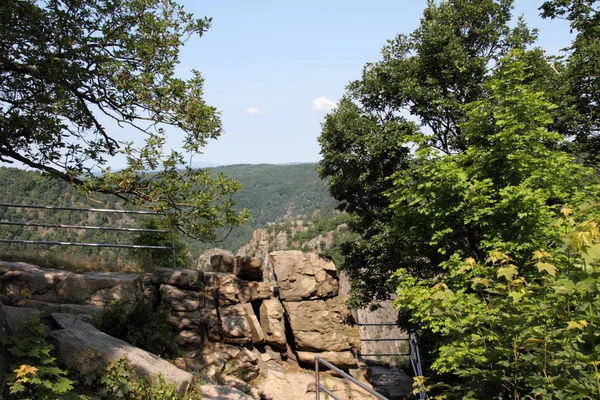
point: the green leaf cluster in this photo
(139, 325)
(73, 73)
(504, 226)
(34, 373)
(429, 75)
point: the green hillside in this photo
(271, 192)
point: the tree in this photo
(68, 68)
(580, 76)
(429, 74)
(505, 226)
(152, 259)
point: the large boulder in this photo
(181, 278)
(215, 392)
(184, 300)
(248, 268)
(316, 327)
(272, 323)
(216, 360)
(239, 325)
(84, 348)
(229, 289)
(302, 276)
(21, 282)
(204, 321)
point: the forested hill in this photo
(271, 193)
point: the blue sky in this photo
(273, 68)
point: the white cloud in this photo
(253, 110)
(322, 103)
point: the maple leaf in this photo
(549, 268)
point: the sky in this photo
(275, 68)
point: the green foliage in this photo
(430, 74)
(69, 64)
(579, 85)
(151, 259)
(504, 286)
(271, 192)
(139, 325)
(34, 373)
(116, 381)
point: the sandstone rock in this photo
(204, 258)
(315, 327)
(11, 318)
(271, 321)
(280, 385)
(223, 263)
(249, 268)
(214, 392)
(204, 320)
(341, 359)
(20, 281)
(218, 359)
(239, 325)
(189, 338)
(84, 348)
(229, 290)
(150, 287)
(303, 276)
(184, 300)
(181, 278)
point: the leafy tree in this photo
(491, 223)
(579, 78)
(69, 69)
(430, 74)
(150, 259)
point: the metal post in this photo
(317, 377)
(173, 248)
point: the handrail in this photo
(87, 227)
(99, 210)
(319, 387)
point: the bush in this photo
(115, 381)
(151, 259)
(34, 373)
(139, 325)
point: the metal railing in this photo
(413, 353)
(87, 227)
(320, 388)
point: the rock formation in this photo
(226, 322)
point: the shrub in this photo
(34, 373)
(116, 381)
(139, 325)
(151, 259)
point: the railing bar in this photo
(324, 389)
(93, 227)
(350, 378)
(128, 246)
(99, 210)
(384, 354)
(385, 340)
(378, 324)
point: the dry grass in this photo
(66, 261)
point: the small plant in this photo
(116, 381)
(34, 373)
(139, 325)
